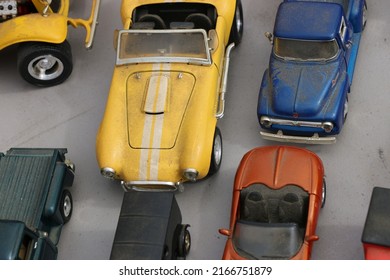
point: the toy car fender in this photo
(30, 29)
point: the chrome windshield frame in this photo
(162, 59)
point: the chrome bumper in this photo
(152, 186)
(315, 139)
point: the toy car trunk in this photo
(34, 202)
(149, 227)
(40, 27)
(376, 233)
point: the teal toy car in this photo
(35, 202)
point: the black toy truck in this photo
(34, 202)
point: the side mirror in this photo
(116, 36)
(348, 44)
(269, 36)
(312, 238)
(225, 232)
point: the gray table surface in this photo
(68, 116)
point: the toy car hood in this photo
(278, 166)
(163, 94)
(165, 126)
(302, 90)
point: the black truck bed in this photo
(147, 226)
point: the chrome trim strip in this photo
(295, 123)
(160, 59)
(151, 186)
(222, 92)
(315, 139)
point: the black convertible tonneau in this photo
(147, 226)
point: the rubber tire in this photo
(66, 195)
(364, 20)
(184, 242)
(29, 51)
(323, 195)
(214, 166)
(236, 33)
(345, 115)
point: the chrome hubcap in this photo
(187, 242)
(45, 67)
(345, 109)
(67, 206)
(238, 20)
(217, 150)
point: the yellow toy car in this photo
(167, 92)
(40, 28)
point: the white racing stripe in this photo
(153, 127)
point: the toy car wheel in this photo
(238, 25)
(345, 112)
(44, 64)
(184, 244)
(66, 206)
(216, 155)
(323, 194)
(364, 14)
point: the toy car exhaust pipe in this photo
(221, 105)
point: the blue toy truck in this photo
(304, 92)
(34, 202)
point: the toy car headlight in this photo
(191, 174)
(327, 126)
(108, 172)
(265, 121)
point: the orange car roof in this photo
(278, 166)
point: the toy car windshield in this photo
(158, 46)
(278, 240)
(305, 50)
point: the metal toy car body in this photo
(35, 202)
(304, 92)
(150, 228)
(278, 192)
(40, 27)
(376, 233)
(168, 91)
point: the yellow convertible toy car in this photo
(168, 91)
(40, 28)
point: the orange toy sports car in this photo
(278, 192)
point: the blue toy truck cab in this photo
(34, 202)
(304, 92)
